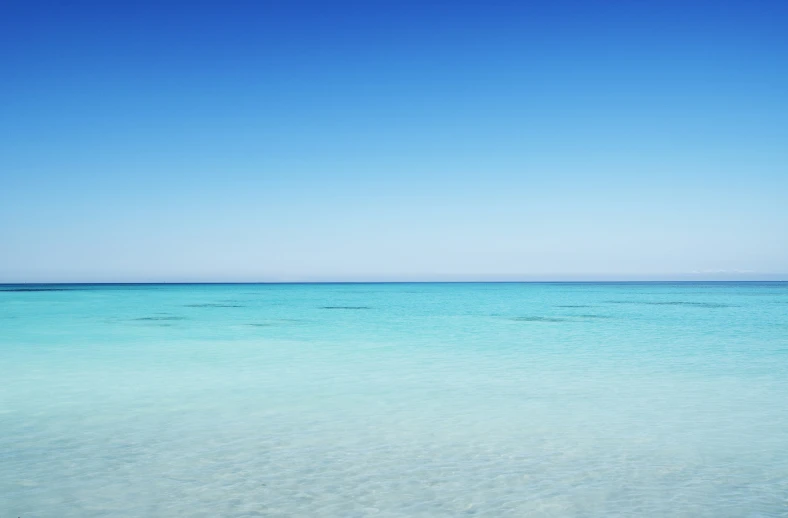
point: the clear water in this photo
(394, 400)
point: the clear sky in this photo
(377, 140)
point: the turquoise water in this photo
(394, 400)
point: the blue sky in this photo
(376, 140)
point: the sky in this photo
(381, 140)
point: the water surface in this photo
(395, 400)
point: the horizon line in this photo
(186, 283)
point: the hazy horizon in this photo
(612, 278)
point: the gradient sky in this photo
(376, 140)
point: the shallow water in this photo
(568, 400)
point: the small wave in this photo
(346, 307)
(672, 303)
(214, 305)
(164, 318)
(538, 319)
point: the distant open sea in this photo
(394, 400)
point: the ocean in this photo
(394, 400)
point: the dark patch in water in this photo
(537, 319)
(672, 303)
(574, 306)
(278, 322)
(160, 318)
(214, 306)
(346, 307)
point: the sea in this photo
(607, 400)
